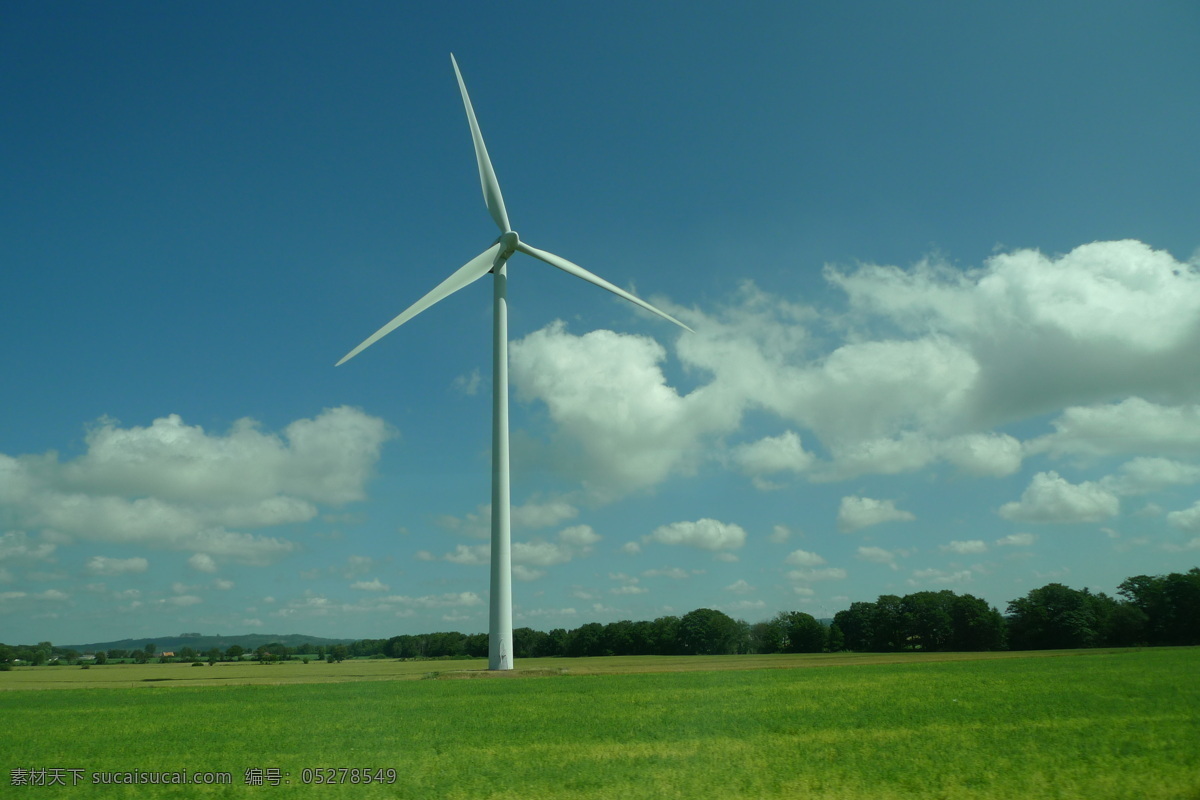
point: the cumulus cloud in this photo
(740, 587)
(1051, 499)
(531, 557)
(202, 562)
(1144, 475)
(856, 513)
(528, 516)
(17, 546)
(937, 577)
(819, 574)
(1133, 425)
(1106, 319)
(878, 555)
(102, 565)
(373, 585)
(970, 547)
(667, 572)
(803, 558)
(706, 534)
(773, 454)
(1016, 540)
(927, 361)
(1186, 520)
(618, 425)
(177, 487)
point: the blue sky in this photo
(941, 262)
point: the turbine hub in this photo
(508, 245)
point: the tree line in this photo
(1149, 610)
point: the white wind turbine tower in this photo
(494, 260)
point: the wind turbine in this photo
(495, 260)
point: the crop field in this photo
(1083, 724)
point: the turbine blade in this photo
(487, 175)
(467, 274)
(580, 272)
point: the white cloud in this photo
(527, 574)
(821, 574)
(450, 600)
(531, 515)
(16, 546)
(856, 513)
(529, 556)
(540, 554)
(937, 577)
(1187, 520)
(669, 572)
(970, 547)
(1016, 540)
(803, 558)
(740, 587)
(223, 585)
(1145, 475)
(878, 555)
(990, 455)
(373, 585)
(629, 589)
(474, 555)
(579, 536)
(618, 425)
(1133, 426)
(706, 534)
(202, 562)
(468, 384)
(1025, 334)
(102, 565)
(174, 486)
(1108, 318)
(773, 454)
(779, 534)
(1051, 499)
(184, 600)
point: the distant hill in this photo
(202, 644)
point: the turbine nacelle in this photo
(509, 242)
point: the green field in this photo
(1089, 724)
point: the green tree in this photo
(976, 625)
(858, 626)
(666, 638)
(1170, 604)
(928, 623)
(1053, 617)
(477, 645)
(887, 625)
(835, 642)
(802, 632)
(586, 640)
(707, 631)
(338, 653)
(101, 657)
(767, 637)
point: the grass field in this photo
(1089, 724)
